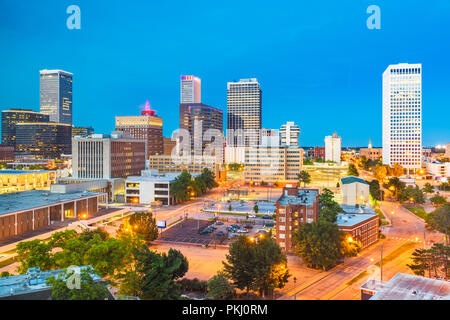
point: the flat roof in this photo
(26, 200)
(357, 209)
(349, 219)
(409, 287)
(33, 280)
(305, 197)
(19, 172)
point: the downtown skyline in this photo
(317, 87)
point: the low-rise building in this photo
(24, 180)
(113, 190)
(295, 207)
(354, 191)
(31, 210)
(438, 169)
(371, 153)
(359, 227)
(406, 287)
(192, 164)
(326, 175)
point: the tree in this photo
(179, 187)
(439, 220)
(219, 287)
(374, 189)
(435, 261)
(90, 290)
(328, 214)
(380, 172)
(438, 200)
(256, 208)
(326, 199)
(34, 253)
(428, 188)
(209, 178)
(397, 170)
(307, 162)
(304, 177)
(144, 223)
(412, 194)
(352, 171)
(396, 186)
(235, 167)
(5, 274)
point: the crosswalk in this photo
(410, 239)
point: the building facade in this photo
(168, 145)
(295, 207)
(333, 145)
(56, 95)
(319, 152)
(402, 116)
(14, 116)
(178, 164)
(82, 131)
(371, 153)
(107, 156)
(44, 140)
(244, 108)
(191, 89)
(148, 126)
(197, 119)
(359, 227)
(355, 191)
(439, 170)
(6, 153)
(272, 164)
(290, 135)
(24, 180)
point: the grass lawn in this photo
(418, 211)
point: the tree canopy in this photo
(304, 177)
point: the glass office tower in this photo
(56, 95)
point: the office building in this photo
(244, 108)
(168, 145)
(148, 126)
(197, 119)
(14, 116)
(295, 207)
(354, 190)
(6, 153)
(82, 131)
(24, 180)
(270, 138)
(360, 227)
(371, 153)
(289, 135)
(176, 164)
(402, 116)
(333, 146)
(56, 95)
(406, 287)
(439, 170)
(234, 155)
(103, 156)
(44, 140)
(272, 165)
(191, 89)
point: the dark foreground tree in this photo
(220, 288)
(144, 224)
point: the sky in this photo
(317, 62)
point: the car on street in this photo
(252, 216)
(266, 216)
(236, 226)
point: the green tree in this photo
(256, 208)
(326, 200)
(352, 171)
(90, 290)
(438, 200)
(396, 186)
(209, 178)
(428, 188)
(5, 274)
(144, 223)
(307, 162)
(328, 214)
(34, 253)
(304, 177)
(411, 193)
(220, 288)
(439, 220)
(179, 187)
(374, 189)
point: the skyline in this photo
(337, 89)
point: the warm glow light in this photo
(349, 239)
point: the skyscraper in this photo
(289, 135)
(402, 115)
(10, 118)
(198, 118)
(56, 95)
(244, 112)
(333, 146)
(148, 126)
(191, 89)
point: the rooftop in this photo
(19, 172)
(20, 201)
(357, 209)
(352, 179)
(348, 219)
(33, 280)
(409, 287)
(305, 197)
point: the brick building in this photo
(319, 152)
(6, 153)
(295, 207)
(359, 227)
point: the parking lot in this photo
(219, 233)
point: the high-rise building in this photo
(191, 89)
(56, 95)
(198, 118)
(289, 135)
(82, 131)
(402, 115)
(148, 126)
(244, 112)
(333, 146)
(103, 156)
(44, 140)
(14, 116)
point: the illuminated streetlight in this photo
(349, 239)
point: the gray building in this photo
(56, 95)
(244, 112)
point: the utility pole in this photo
(381, 264)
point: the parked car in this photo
(252, 216)
(236, 226)
(220, 233)
(204, 232)
(242, 231)
(219, 223)
(266, 216)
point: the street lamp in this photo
(349, 239)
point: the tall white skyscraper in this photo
(289, 135)
(56, 95)
(333, 146)
(191, 89)
(244, 112)
(402, 115)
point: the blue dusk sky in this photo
(317, 62)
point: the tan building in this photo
(272, 164)
(354, 191)
(169, 145)
(371, 153)
(295, 207)
(326, 175)
(192, 164)
(24, 180)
